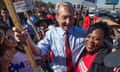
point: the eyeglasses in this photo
(3, 12)
(10, 37)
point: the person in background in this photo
(91, 59)
(40, 15)
(76, 17)
(51, 24)
(116, 36)
(87, 21)
(6, 18)
(43, 27)
(34, 19)
(115, 32)
(51, 18)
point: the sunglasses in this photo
(10, 37)
(3, 12)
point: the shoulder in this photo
(80, 31)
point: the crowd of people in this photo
(62, 46)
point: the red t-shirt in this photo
(86, 62)
(86, 22)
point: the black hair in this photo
(3, 47)
(100, 25)
(41, 22)
(4, 9)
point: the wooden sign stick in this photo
(31, 23)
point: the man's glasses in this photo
(10, 37)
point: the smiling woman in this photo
(95, 49)
(97, 33)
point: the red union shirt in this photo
(86, 62)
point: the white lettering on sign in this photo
(22, 5)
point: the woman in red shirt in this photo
(87, 21)
(96, 49)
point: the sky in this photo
(100, 3)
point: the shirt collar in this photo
(62, 32)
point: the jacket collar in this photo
(101, 54)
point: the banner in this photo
(22, 5)
(92, 1)
(111, 2)
(89, 3)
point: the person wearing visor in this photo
(116, 36)
(113, 59)
(115, 31)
